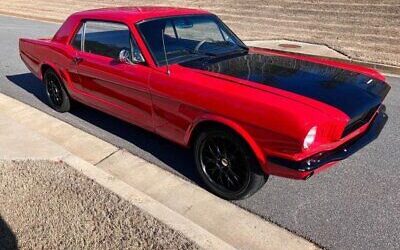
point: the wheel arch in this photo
(63, 77)
(60, 73)
(46, 66)
(219, 122)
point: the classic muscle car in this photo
(183, 74)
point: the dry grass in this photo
(362, 29)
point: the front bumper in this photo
(305, 168)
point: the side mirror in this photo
(125, 56)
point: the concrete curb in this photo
(20, 143)
(169, 217)
(245, 231)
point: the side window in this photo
(77, 41)
(106, 39)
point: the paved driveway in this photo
(355, 205)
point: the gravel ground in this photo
(47, 205)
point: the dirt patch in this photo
(47, 205)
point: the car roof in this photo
(136, 14)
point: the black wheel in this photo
(56, 93)
(227, 165)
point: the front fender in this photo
(235, 126)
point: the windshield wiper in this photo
(185, 55)
(238, 50)
(225, 44)
(191, 52)
(244, 47)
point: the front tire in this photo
(226, 164)
(57, 95)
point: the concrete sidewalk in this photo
(19, 143)
(206, 220)
(320, 51)
(298, 47)
(22, 146)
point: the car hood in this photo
(353, 93)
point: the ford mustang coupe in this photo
(183, 74)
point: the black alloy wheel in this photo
(227, 166)
(56, 94)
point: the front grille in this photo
(364, 119)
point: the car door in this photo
(120, 88)
(72, 64)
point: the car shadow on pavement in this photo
(165, 152)
(8, 239)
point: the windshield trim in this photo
(158, 64)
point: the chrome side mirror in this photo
(125, 56)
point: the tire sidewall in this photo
(256, 177)
(66, 103)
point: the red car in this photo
(182, 73)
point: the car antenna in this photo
(165, 51)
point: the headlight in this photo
(310, 137)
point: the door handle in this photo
(77, 60)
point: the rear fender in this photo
(64, 77)
(47, 64)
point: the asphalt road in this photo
(355, 205)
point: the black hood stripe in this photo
(351, 92)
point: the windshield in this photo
(189, 38)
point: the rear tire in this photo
(227, 165)
(57, 95)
